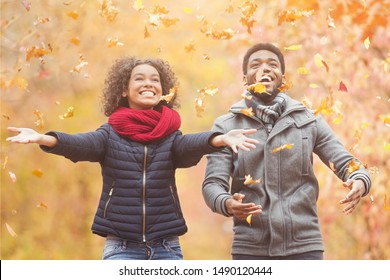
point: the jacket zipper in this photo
(174, 201)
(144, 197)
(108, 200)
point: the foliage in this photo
(54, 57)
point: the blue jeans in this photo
(116, 248)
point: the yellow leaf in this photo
(312, 85)
(35, 52)
(250, 181)
(325, 107)
(10, 230)
(79, 66)
(338, 119)
(285, 146)
(249, 219)
(367, 43)
(37, 172)
(385, 119)
(73, 14)
(385, 205)
(68, 114)
(247, 112)
(386, 146)
(292, 16)
(318, 60)
(209, 90)
(113, 42)
(293, 48)
(303, 71)
(187, 10)
(138, 5)
(19, 82)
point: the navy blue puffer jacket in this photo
(139, 200)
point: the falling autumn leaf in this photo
(12, 176)
(292, 16)
(35, 52)
(367, 43)
(343, 87)
(330, 20)
(303, 71)
(75, 41)
(248, 112)
(138, 6)
(385, 119)
(258, 88)
(37, 172)
(293, 48)
(168, 97)
(190, 47)
(68, 114)
(199, 106)
(246, 96)
(107, 10)
(353, 166)
(10, 230)
(73, 14)
(42, 205)
(113, 42)
(285, 146)
(385, 205)
(209, 91)
(250, 181)
(39, 123)
(286, 85)
(146, 32)
(249, 219)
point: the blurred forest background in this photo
(54, 58)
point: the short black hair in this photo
(258, 47)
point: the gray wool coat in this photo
(288, 190)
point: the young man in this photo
(272, 191)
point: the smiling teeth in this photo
(266, 79)
(147, 93)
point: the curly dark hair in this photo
(117, 82)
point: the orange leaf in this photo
(113, 42)
(385, 119)
(258, 88)
(108, 10)
(250, 181)
(37, 172)
(39, 123)
(35, 52)
(168, 97)
(292, 16)
(248, 112)
(73, 14)
(353, 166)
(75, 41)
(385, 205)
(42, 205)
(285, 146)
(199, 106)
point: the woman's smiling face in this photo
(145, 89)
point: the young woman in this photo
(139, 150)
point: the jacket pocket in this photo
(108, 200)
(305, 156)
(175, 201)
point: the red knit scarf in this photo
(144, 126)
